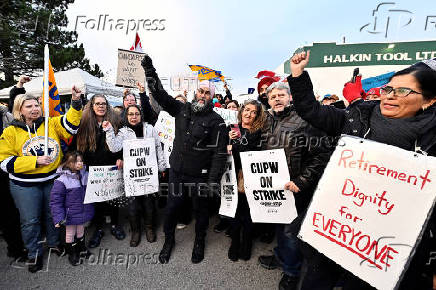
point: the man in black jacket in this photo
(307, 154)
(197, 161)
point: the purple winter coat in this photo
(67, 196)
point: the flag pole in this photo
(46, 97)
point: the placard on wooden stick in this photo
(370, 208)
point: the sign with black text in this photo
(140, 167)
(265, 175)
(104, 183)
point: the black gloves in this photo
(147, 64)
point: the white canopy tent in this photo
(88, 83)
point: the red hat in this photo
(268, 81)
(374, 91)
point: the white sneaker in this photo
(181, 226)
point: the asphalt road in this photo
(115, 265)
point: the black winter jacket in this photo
(355, 121)
(306, 150)
(200, 143)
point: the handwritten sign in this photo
(369, 209)
(229, 190)
(265, 175)
(166, 128)
(104, 183)
(140, 167)
(229, 116)
(129, 69)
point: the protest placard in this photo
(140, 167)
(129, 70)
(229, 116)
(370, 207)
(104, 183)
(229, 190)
(265, 175)
(165, 127)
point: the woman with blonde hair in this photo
(31, 172)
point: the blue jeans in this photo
(33, 204)
(288, 252)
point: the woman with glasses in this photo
(245, 137)
(135, 128)
(404, 117)
(91, 141)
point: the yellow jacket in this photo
(20, 145)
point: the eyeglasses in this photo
(254, 113)
(100, 104)
(133, 114)
(202, 91)
(399, 92)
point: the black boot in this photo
(135, 227)
(165, 253)
(35, 264)
(246, 245)
(96, 238)
(73, 255)
(233, 253)
(82, 249)
(150, 234)
(198, 250)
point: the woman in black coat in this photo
(404, 117)
(251, 119)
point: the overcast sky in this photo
(238, 37)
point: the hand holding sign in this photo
(140, 87)
(298, 62)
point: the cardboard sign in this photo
(140, 167)
(104, 183)
(229, 116)
(129, 69)
(370, 207)
(229, 190)
(265, 175)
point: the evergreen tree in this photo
(25, 27)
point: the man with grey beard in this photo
(197, 161)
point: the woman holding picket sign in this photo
(244, 136)
(134, 128)
(91, 141)
(404, 117)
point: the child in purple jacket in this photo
(67, 208)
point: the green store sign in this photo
(399, 53)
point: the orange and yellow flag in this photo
(54, 100)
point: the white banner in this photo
(229, 116)
(370, 207)
(104, 183)
(265, 175)
(229, 190)
(140, 167)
